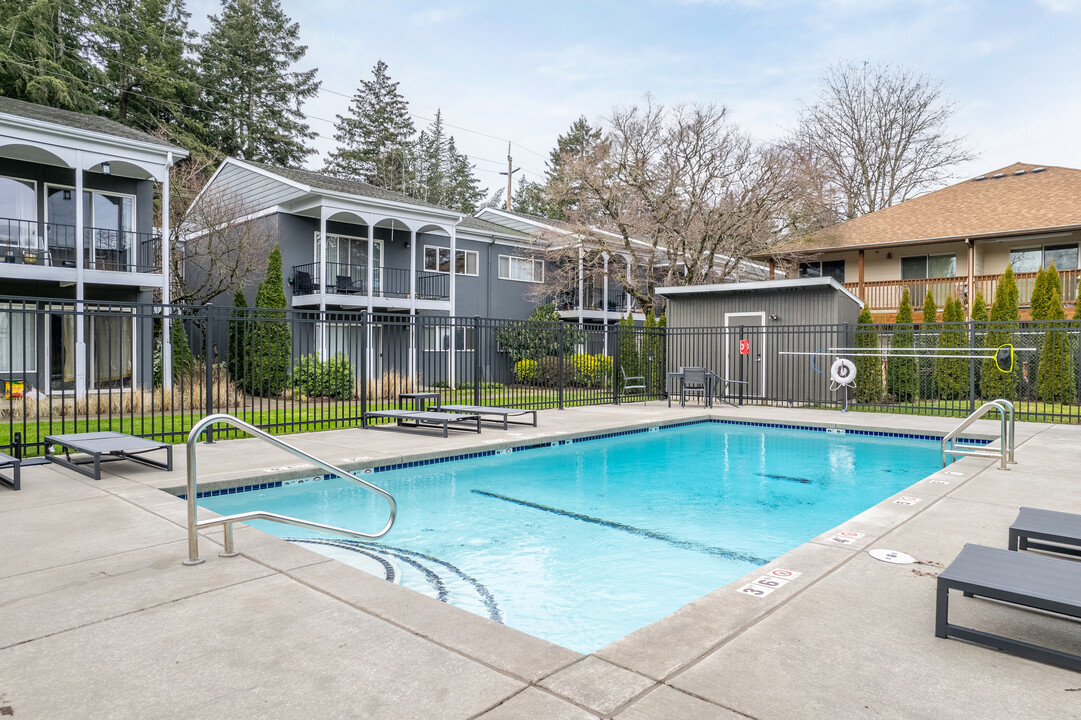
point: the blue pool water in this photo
(583, 543)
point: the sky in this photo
(523, 71)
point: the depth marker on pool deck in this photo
(652, 534)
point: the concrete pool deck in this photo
(100, 618)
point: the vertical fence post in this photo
(559, 340)
(363, 368)
(741, 356)
(208, 363)
(476, 359)
(972, 366)
(617, 372)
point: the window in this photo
(18, 339)
(921, 267)
(437, 259)
(110, 222)
(826, 268)
(1032, 259)
(521, 268)
(18, 211)
(437, 338)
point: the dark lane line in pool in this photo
(651, 534)
(790, 478)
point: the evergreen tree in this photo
(238, 325)
(651, 361)
(868, 367)
(930, 308)
(531, 198)
(151, 81)
(627, 357)
(902, 379)
(42, 55)
(560, 188)
(375, 138)
(927, 341)
(1055, 378)
(994, 383)
(464, 191)
(1040, 301)
(979, 319)
(252, 98)
(270, 341)
(442, 175)
(950, 371)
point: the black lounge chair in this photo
(482, 410)
(423, 418)
(1048, 526)
(1033, 581)
(9, 461)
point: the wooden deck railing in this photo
(885, 295)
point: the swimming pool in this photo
(584, 542)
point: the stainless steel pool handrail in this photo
(194, 524)
(1006, 435)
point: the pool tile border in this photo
(550, 443)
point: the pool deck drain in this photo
(100, 618)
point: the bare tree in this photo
(880, 132)
(684, 194)
(216, 246)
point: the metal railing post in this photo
(476, 359)
(363, 368)
(208, 369)
(559, 373)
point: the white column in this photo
(413, 306)
(451, 374)
(322, 282)
(371, 265)
(581, 282)
(166, 281)
(604, 302)
(80, 319)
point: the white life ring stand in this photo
(842, 374)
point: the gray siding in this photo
(806, 306)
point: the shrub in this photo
(387, 386)
(333, 378)
(539, 335)
(868, 368)
(627, 348)
(901, 378)
(950, 375)
(525, 372)
(994, 383)
(238, 324)
(548, 372)
(591, 370)
(653, 344)
(1055, 380)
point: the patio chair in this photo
(694, 383)
(633, 382)
(304, 284)
(1061, 528)
(1031, 581)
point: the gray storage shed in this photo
(707, 322)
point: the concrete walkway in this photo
(99, 618)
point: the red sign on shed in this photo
(744, 347)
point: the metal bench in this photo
(1048, 525)
(483, 410)
(423, 418)
(114, 445)
(1033, 581)
(15, 464)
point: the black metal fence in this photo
(104, 366)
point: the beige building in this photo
(954, 241)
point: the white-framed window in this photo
(437, 338)
(921, 267)
(110, 217)
(437, 259)
(1033, 259)
(522, 269)
(18, 339)
(18, 211)
(823, 268)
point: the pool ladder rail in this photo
(951, 447)
(195, 525)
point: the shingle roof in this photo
(347, 186)
(80, 121)
(319, 181)
(1013, 199)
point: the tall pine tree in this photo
(902, 380)
(561, 190)
(375, 138)
(252, 97)
(42, 53)
(143, 49)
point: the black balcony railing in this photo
(30, 242)
(352, 279)
(594, 299)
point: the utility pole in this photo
(510, 171)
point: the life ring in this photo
(842, 372)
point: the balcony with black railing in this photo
(30, 242)
(593, 298)
(352, 279)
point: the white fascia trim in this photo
(519, 218)
(65, 134)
